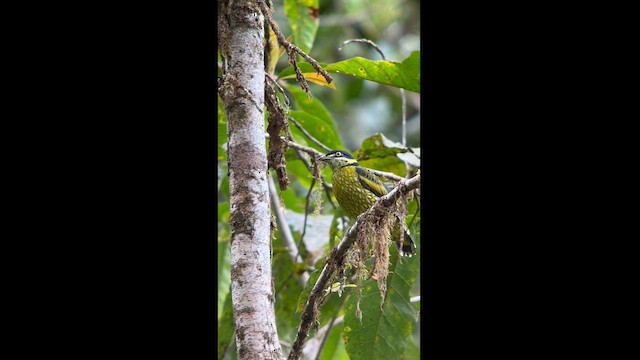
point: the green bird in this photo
(357, 189)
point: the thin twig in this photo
(387, 175)
(315, 153)
(367, 41)
(402, 94)
(286, 99)
(415, 215)
(327, 187)
(404, 128)
(311, 151)
(306, 208)
(284, 229)
(292, 49)
(336, 258)
(404, 118)
(306, 215)
(306, 133)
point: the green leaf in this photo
(388, 164)
(317, 128)
(303, 18)
(224, 274)
(314, 117)
(312, 106)
(412, 351)
(304, 295)
(292, 201)
(334, 347)
(225, 327)
(288, 288)
(378, 146)
(334, 232)
(383, 333)
(296, 168)
(404, 75)
(379, 152)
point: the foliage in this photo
(405, 74)
(364, 82)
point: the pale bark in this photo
(240, 36)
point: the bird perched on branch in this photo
(357, 189)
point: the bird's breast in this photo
(351, 195)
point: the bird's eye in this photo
(338, 153)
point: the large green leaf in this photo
(384, 329)
(334, 347)
(412, 351)
(380, 147)
(389, 164)
(317, 128)
(314, 117)
(312, 106)
(303, 18)
(403, 75)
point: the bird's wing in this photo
(371, 182)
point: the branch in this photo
(292, 49)
(306, 133)
(309, 150)
(367, 41)
(287, 103)
(336, 259)
(306, 209)
(315, 154)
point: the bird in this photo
(357, 189)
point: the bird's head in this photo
(337, 159)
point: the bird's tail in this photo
(406, 245)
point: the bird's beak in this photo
(323, 158)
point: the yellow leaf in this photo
(318, 79)
(275, 52)
(314, 78)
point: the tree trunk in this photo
(240, 36)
